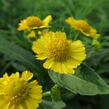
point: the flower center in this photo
(83, 25)
(34, 22)
(16, 92)
(59, 49)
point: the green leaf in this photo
(52, 105)
(85, 82)
(103, 69)
(55, 93)
(100, 56)
(21, 55)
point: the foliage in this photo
(85, 89)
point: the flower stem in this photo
(76, 36)
(45, 94)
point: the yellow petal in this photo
(32, 34)
(48, 63)
(77, 46)
(40, 48)
(60, 34)
(79, 56)
(37, 97)
(94, 34)
(26, 75)
(70, 21)
(61, 68)
(32, 83)
(31, 103)
(22, 25)
(47, 20)
(14, 76)
(41, 45)
(72, 63)
(36, 90)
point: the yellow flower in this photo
(62, 55)
(18, 92)
(83, 27)
(34, 22)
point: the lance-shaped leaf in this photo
(85, 82)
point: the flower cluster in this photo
(60, 54)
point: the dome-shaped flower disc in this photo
(61, 55)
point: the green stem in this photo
(45, 94)
(76, 36)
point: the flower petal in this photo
(26, 75)
(47, 20)
(32, 34)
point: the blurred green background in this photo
(15, 51)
